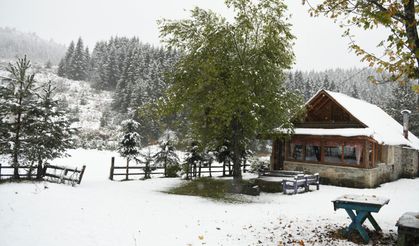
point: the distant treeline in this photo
(133, 70)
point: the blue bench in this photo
(301, 181)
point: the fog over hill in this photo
(14, 43)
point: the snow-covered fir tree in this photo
(18, 100)
(223, 155)
(66, 61)
(167, 156)
(193, 158)
(130, 68)
(50, 130)
(32, 130)
(341, 80)
(130, 143)
(76, 62)
(404, 98)
(148, 162)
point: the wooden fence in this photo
(53, 173)
(129, 172)
(62, 174)
(24, 172)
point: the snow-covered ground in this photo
(103, 212)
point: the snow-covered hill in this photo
(89, 109)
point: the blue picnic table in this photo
(359, 208)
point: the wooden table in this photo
(359, 208)
(408, 229)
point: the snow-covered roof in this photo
(380, 126)
(344, 132)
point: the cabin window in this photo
(313, 151)
(336, 151)
(296, 151)
(352, 154)
(370, 149)
(333, 152)
(379, 154)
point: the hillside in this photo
(89, 110)
(14, 44)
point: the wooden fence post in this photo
(0, 170)
(81, 174)
(39, 171)
(44, 170)
(209, 166)
(199, 170)
(187, 170)
(244, 166)
(224, 168)
(127, 171)
(112, 168)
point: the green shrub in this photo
(217, 189)
(172, 170)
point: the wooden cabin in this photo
(348, 141)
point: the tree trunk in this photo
(126, 174)
(16, 146)
(237, 174)
(39, 173)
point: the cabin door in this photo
(279, 154)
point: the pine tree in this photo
(404, 98)
(77, 66)
(332, 86)
(193, 158)
(17, 102)
(326, 82)
(307, 90)
(68, 60)
(50, 131)
(61, 68)
(87, 63)
(129, 146)
(354, 92)
(32, 129)
(167, 156)
(224, 155)
(299, 82)
(148, 161)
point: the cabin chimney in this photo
(406, 113)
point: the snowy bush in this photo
(129, 145)
(167, 156)
(257, 164)
(147, 160)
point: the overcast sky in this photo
(319, 44)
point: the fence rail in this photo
(72, 175)
(23, 172)
(51, 172)
(192, 172)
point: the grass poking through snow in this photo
(216, 189)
